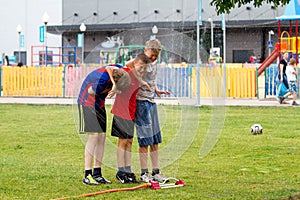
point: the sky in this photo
(27, 13)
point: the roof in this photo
(292, 11)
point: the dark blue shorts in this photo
(147, 124)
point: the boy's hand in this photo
(159, 92)
(110, 94)
(113, 91)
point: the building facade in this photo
(110, 24)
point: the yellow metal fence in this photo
(32, 81)
(55, 81)
(240, 82)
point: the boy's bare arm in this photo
(130, 64)
(295, 70)
(113, 90)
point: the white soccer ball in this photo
(256, 129)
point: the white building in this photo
(247, 31)
(27, 13)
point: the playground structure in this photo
(125, 53)
(53, 56)
(287, 41)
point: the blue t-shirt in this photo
(100, 82)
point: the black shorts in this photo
(91, 119)
(122, 128)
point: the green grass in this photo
(42, 155)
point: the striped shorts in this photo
(92, 120)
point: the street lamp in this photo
(211, 35)
(45, 20)
(82, 29)
(271, 32)
(19, 30)
(154, 31)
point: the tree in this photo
(225, 6)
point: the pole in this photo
(19, 60)
(45, 43)
(224, 55)
(198, 55)
(82, 48)
(212, 36)
(45, 34)
(269, 41)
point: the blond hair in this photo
(154, 45)
(292, 61)
(121, 78)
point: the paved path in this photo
(169, 101)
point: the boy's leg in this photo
(143, 153)
(98, 157)
(121, 173)
(294, 99)
(89, 151)
(127, 155)
(121, 153)
(88, 160)
(99, 149)
(154, 156)
(131, 176)
(157, 176)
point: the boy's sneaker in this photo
(89, 180)
(101, 179)
(146, 178)
(131, 177)
(122, 177)
(160, 178)
(295, 103)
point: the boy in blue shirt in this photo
(92, 115)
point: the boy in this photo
(282, 77)
(92, 115)
(123, 121)
(291, 73)
(147, 124)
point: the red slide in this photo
(268, 61)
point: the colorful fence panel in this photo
(180, 81)
(176, 80)
(241, 83)
(32, 81)
(73, 79)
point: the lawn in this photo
(42, 155)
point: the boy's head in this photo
(292, 61)
(141, 62)
(153, 49)
(121, 78)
